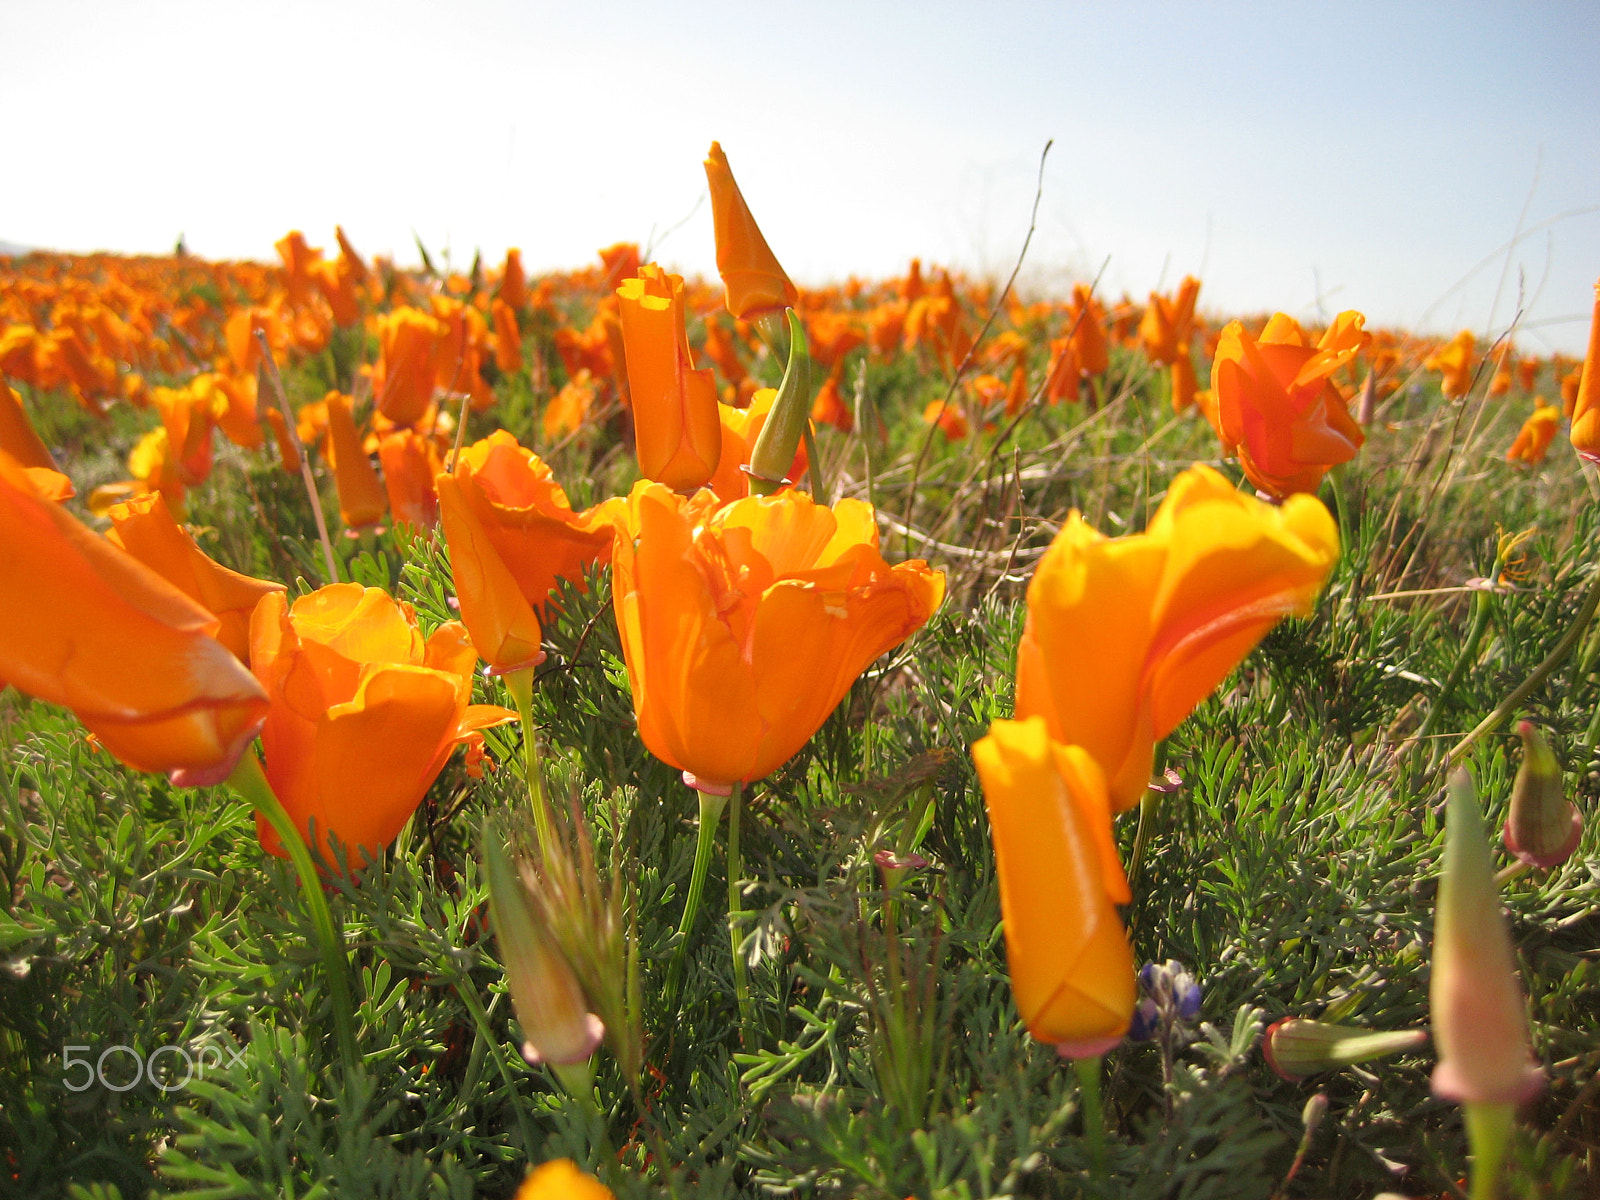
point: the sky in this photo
(1435, 167)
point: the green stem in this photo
(469, 998)
(710, 812)
(250, 783)
(520, 685)
(1469, 651)
(1149, 805)
(741, 977)
(1341, 506)
(1540, 673)
(1094, 1118)
(1488, 1131)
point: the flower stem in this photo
(520, 685)
(741, 978)
(1094, 1118)
(710, 813)
(1469, 651)
(1540, 673)
(250, 783)
(1488, 1132)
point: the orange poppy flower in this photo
(1538, 431)
(17, 435)
(1454, 362)
(364, 711)
(1125, 636)
(1060, 883)
(512, 535)
(743, 625)
(1586, 400)
(144, 527)
(85, 625)
(408, 345)
(561, 1179)
(569, 409)
(1276, 407)
(677, 434)
(1168, 323)
(410, 463)
(753, 282)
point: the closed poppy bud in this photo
(144, 527)
(1544, 827)
(1586, 402)
(362, 500)
(677, 433)
(513, 280)
(1060, 882)
(85, 625)
(561, 1180)
(556, 1024)
(507, 338)
(755, 285)
(1475, 997)
(1158, 619)
(743, 625)
(365, 711)
(1298, 1049)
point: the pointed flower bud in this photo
(1298, 1049)
(754, 283)
(775, 446)
(550, 1004)
(1475, 997)
(1544, 827)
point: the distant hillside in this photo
(11, 249)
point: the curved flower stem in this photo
(710, 813)
(250, 783)
(1469, 651)
(1341, 506)
(520, 685)
(1094, 1118)
(1533, 682)
(741, 978)
(1149, 806)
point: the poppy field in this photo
(476, 733)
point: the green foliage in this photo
(1293, 873)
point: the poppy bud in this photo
(1297, 1049)
(1475, 996)
(549, 1001)
(1543, 827)
(775, 446)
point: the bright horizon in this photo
(1423, 165)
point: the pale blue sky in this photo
(1370, 156)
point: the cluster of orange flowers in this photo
(745, 609)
